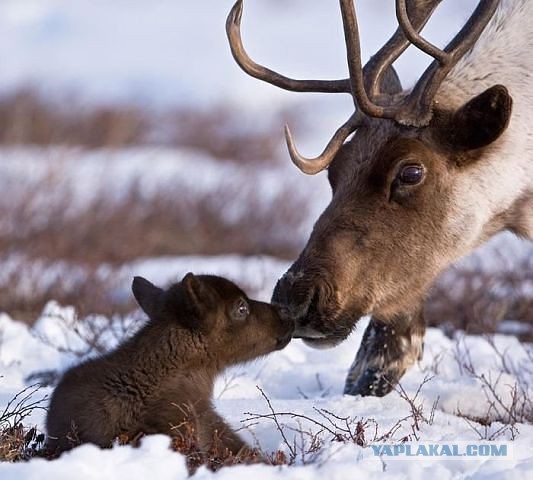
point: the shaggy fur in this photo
(161, 380)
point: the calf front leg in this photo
(387, 350)
(215, 434)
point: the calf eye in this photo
(241, 310)
(410, 174)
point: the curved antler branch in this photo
(414, 36)
(353, 53)
(419, 12)
(312, 166)
(416, 110)
(233, 31)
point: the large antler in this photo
(310, 166)
(233, 30)
(414, 109)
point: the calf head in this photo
(227, 326)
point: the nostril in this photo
(293, 295)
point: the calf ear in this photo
(482, 120)
(201, 301)
(146, 294)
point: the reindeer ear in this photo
(482, 120)
(147, 295)
(200, 299)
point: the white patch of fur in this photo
(502, 55)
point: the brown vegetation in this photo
(113, 231)
(18, 442)
(116, 232)
(27, 118)
(477, 302)
(168, 223)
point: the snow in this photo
(153, 459)
(300, 380)
(297, 379)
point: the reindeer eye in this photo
(410, 174)
(241, 310)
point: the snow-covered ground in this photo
(298, 379)
(306, 382)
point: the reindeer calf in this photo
(162, 378)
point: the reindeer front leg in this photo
(387, 350)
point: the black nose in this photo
(291, 291)
(285, 336)
(294, 294)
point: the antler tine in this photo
(362, 103)
(419, 12)
(233, 31)
(416, 110)
(413, 35)
(353, 51)
(312, 166)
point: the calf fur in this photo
(162, 378)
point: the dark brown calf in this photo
(163, 376)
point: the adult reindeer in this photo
(428, 175)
